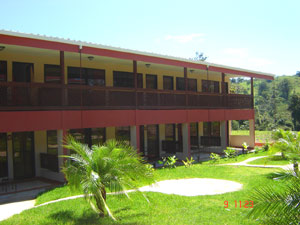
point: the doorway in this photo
(3, 156)
(152, 141)
(23, 155)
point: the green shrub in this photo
(189, 162)
(169, 162)
(230, 153)
(215, 157)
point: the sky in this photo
(261, 35)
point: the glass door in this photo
(3, 156)
(152, 141)
(23, 155)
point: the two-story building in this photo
(162, 105)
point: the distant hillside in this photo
(271, 100)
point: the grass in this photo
(163, 208)
(260, 136)
(239, 158)
(65, 191)
(271, 160)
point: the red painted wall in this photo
(52, 120)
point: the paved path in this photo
(10, 209)
(245, 163)
(184, 187)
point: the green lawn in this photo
(163, 208)
(271, 160)
(64, 191)
(260, 136)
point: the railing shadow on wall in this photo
(41, 96)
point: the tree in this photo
(113, 165)
(199, 57)
(288, 143)
(279, 204)
(294, 107)
(284, 88)
(298, 73)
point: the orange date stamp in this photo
(239, 204)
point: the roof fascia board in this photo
(65, 45)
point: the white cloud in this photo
(184, 38)
(238, 52)
(242, 57)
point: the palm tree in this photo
(288, 143)
(278, 204)
(114, 165)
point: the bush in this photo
(169, 162)
(215, 157)
(189, 162)
(230, 153)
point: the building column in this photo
(252, 133)
(223, 132)
(135, 137)
(186, 145)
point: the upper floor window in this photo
(168, 83)
(126, 79)
(210, 86)
(3, 71)
(52, 73)
(192, 84)
(151, 81)
(180, 84)
(22, 72)
(87, 76)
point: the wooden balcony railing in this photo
(41, 96)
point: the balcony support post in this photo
(223, 84)
(252, 133)
(185, 86)
(135, 80)
(223, 132)
(252, 93)
(186, 145)
(135, 137)
(62, 73)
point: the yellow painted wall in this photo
(110, 133)
(71, 59)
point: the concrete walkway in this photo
(183, 187)
(245, 163)
(10, 209)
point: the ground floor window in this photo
(52, 146)
(170, 132)
(194, 134)
(211, 129)
(89, 136)
(123, 134)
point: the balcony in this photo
(41, 96)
